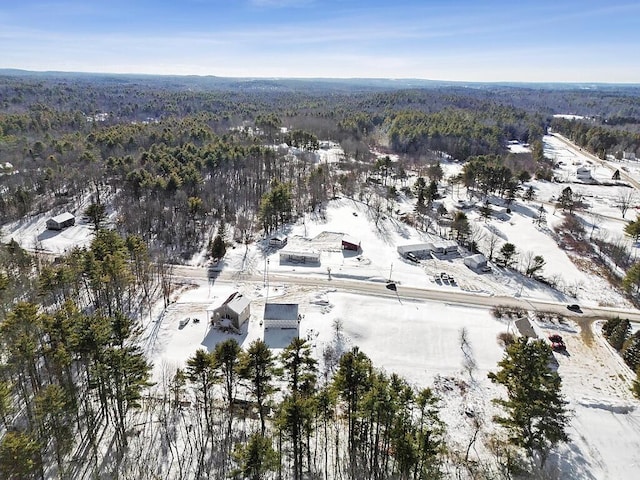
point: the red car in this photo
(557, 344)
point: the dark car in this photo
(574, 307)
(557, 343)
(392, 286)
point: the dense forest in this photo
(158, 165)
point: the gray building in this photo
(281, 315)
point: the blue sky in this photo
(468, 40)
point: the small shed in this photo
(422, 250)
(281, 315)
(476, 262)
(61, 221)
(292, 256)
(278, 241)
(350, 243)
(236, 308)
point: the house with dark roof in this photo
(281, 315)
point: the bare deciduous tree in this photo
(624, 200)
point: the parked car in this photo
(392, 286)
(412, 257)
(557, 344)
(574, 307)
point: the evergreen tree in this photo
(6, 402)
(19, 456)
(535, 412)
(631, 281)
(352, 381)
(507, 254)
(461, 226)
(633, 229)
(609, 326)
(218, 248)
(566, 200)
(299, 370)
(97, 214)
(255, 459)
(226, 356)
(631, 351)
(257, 367)
(431, 193)
(635, 387)
(54, 411)
(619, 334)
(200, 372)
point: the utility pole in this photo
(267, 276)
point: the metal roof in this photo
(281, 311)
(63, 217)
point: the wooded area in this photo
(166, 163)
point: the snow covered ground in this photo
(419, 339)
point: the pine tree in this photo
(255, 459)
(635, 387)
(299, 370)
(535, 412)
(200, 372)
(97, 215)
(226, 357)
(633, 229)
(19, 456)
(257, 367)
(352, 381)
(631, 351)
(507, 254)
(609, 326)
(218, 248)
(619, 334)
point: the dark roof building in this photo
(281, 315)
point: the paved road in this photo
(579, 151)
(408, 293)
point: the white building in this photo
(281, 315)
(418, 249)
(583, 173)
(476, 262)
(291, 256)
(236, 309)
